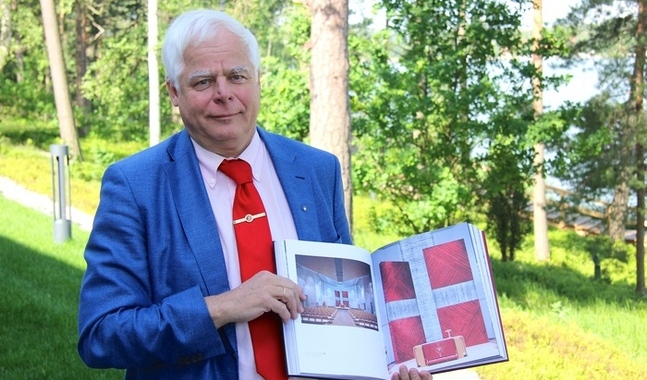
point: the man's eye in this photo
(200, 84)
(237, 78)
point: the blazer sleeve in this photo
(121, 325)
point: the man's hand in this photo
(260, 294)
(410, 374)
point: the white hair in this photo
(195, 27)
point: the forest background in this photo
(443, 128)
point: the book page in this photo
(440, 309)
(338, 335)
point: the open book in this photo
(426, 301)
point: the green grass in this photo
(36, 174)
(39, 282)
(559, 323)
(28, 163)
(542, 347)
(562, 324)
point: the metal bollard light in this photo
(61, 192)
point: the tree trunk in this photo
(153, 76)
(19, 49)
(640, 224)
(59, 80)
(329, 102)
(81, 59)
(617, 211)
(542, 252)
(636, 100)
(5, 31)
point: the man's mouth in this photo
(225, 116)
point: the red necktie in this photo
(255, 253)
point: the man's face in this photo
(218, 94)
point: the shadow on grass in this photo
(38, 135)
(516, 280)
(38, 317)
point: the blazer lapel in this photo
(297, 186)
(195, 213)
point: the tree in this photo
(109, 75)
(619, 37)
(285, 96)
(329, 99)
(26, 88)
(153, 76)
(603, 248)
(542, 252)
(59, 79)
(117, 81)
(446, 79)
(82, 42)
(5, 31)
(598, 157)
(505, 191)
(636, 100)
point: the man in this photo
(163, 294)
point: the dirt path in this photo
(40, 202)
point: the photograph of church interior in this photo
(339, 292)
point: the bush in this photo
(32, 133)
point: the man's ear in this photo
(172, 91)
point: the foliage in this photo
(602, 248)
(605, 128)
(605, 28)
(266, 19)
(31, 168)
(610, 258)
(505, 191)
(120, 103)
(116, 80)
(365, 233)
(437, 91)
(99, 154)
(427, 91)
(591, 154)
(26, 91)
(612, 123)
(26, 165)
(571, 262)
(285, 98)
(34, 133)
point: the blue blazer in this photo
(154, 253)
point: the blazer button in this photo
(304, 208)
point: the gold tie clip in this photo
(249, 218)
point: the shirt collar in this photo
(209, 161)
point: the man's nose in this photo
(222, 90)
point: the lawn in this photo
(40, 283)
(559, 322)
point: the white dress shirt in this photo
(221, 190)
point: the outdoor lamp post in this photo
(61, 193)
